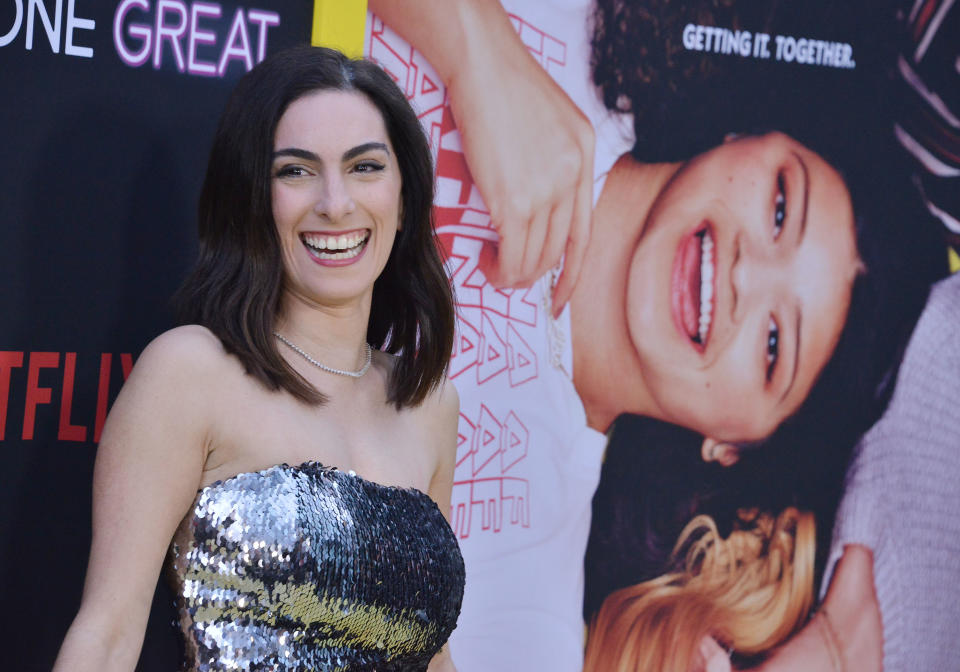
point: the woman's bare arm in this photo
(442, 662)
(528, 146)
(847, 634)
(444, 420)
(147, 471)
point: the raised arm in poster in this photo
(757, 259)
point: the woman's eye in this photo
(779, 207)
(291, 171)
(368, 167)
(773, 347)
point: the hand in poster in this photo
(530, 152)
(528, 146)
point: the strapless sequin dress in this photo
(310, 568)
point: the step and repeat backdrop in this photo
(718, 175)
(108, 113)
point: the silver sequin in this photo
(310, 568)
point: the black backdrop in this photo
(100, 167)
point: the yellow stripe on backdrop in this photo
(954, 260)
(340, 24)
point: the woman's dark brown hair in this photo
(237, 284)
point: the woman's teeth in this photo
(344, 246)
(706, 285)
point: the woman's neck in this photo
(606, 371)
(335, 335)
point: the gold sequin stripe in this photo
(345, 622)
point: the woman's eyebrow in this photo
(307, 155)
(365, 147)
(796, 358)
(806, 197)
(297, 153)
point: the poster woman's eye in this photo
(779, 207)
(773, 347)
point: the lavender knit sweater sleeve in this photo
(902, 497)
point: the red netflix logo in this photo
(38, 394)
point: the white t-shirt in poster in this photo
(527, 464)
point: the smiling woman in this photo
(303, 169)
(349, 173)
(744, 313)
(730, 294)
(291, 449)
(747, 251)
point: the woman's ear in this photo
(726, 454)
(710, 657)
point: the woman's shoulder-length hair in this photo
(236, 286)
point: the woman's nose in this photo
(755, 273)
(333, 200)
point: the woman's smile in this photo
(335, 248)
(693, 286)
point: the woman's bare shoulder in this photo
(190, 350)
(189, 340)
(185, 365)
(447, 398)
(441, 404)
(441, 410)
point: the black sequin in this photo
(310, 568)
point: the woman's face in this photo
(739, 285)
(335, 187)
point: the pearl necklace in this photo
(329, 369)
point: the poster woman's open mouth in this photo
(693, 285)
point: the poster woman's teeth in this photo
(706, 284)
(344, 246)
